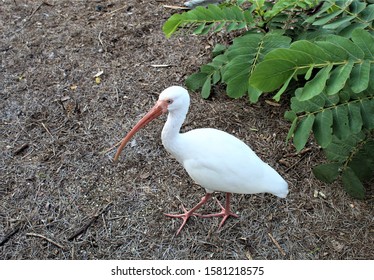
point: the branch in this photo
(46, 238)
(10, 234)
(111, 148)
(277, 244)
(90, 222)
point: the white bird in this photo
(194, 3)
(214, 159)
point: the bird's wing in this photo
(219, 161)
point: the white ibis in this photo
(194, 3)
(214, 159)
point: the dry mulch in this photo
(61, 196)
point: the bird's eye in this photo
(169, 101)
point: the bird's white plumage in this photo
(194, 3)
(215, 159)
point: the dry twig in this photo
(175, 7)
(46, 238)
(161, 65)
(21, 149)
(304, 151)
(117, 10)
(90, 222)
(38, 7)
(10, 234)
(46, 129)
(111, 148)
(277, 244)
(102, 44)
(296, 163)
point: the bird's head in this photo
(173, 99)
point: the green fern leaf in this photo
(331, 118)
(341, 122)
(340, 60)
(290, 115)
(243, 56)
(309, 72)
(354, 158)
(322, 128)
(336, 53)
(172, 24)
(362, 163)
(201, 20)
(219, 27)
(327, 172)
(196, 80)
(354, 115)
(236, 76)
(339, 77)
(368, 14)
(316, 104)
(231, 27)
(327, 18)
(282, 89)
(360, 76)
(205, 91)
(297, 57)
(342, 17)
(347, 30)
(365, 41)
(199, 29)
(317, 53)
(291, 131)
(253, 94)
(338, 23)
(352, 184)
(340, 151)
(351, 48)
(326, 7)
(283, 5)
(304, 128)
(367, 112)
(316, 85)
(271, 74)
(332, 100)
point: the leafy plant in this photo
(353, 158)
(237, 64)
(201, 20)
(319, 52)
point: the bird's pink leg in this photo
(189, 213)
(225, 213)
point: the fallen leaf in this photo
(145, 175)
(337, 245)
(65, 98)
(248, 255)
(315, 194)
(98, 74)
(272, 103)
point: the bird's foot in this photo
(225, 213)
(185, 216)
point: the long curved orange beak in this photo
(160, 108)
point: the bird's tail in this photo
(279, 188)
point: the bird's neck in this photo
(170, 132)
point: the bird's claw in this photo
(225, 213)
(185, 216)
